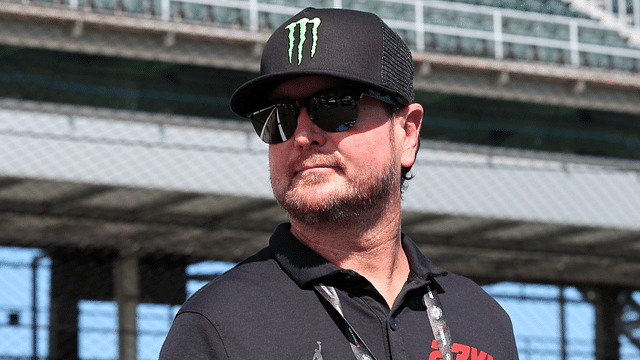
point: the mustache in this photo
(316, 159)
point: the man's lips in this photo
(319, 168)
(316, 165)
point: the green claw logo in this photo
(303, 37)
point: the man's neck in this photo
(374, 252)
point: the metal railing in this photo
(427, 25)
(623, 14)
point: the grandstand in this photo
(122, 163)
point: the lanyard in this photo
(361, 350)
(438, 325)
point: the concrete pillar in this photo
(127, 296)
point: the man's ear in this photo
(412, 122)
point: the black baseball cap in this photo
(351, 45)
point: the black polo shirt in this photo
(267, 308)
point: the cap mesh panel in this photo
(397, 64)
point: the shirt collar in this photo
(305, 266)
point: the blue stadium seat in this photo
(440, 43)
(439, 16)
(590, 36)
(469, 20)
(132, 6)
(562, 32)
(98, 4)
(612, 38)
(395, 11)
(271, 21)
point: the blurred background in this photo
(126, 183)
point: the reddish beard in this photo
(360, 195)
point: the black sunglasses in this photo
(331, 111)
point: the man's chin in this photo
(322, 206)
(317, 215)
(332, 199)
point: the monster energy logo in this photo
(303, 37)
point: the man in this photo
(335, 102)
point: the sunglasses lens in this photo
(334, 113)
(276, 123)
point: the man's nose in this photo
(307, 133)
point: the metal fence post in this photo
(574, 43)
(165, 10)
(419, 9)
(253, 15)
(497, 34)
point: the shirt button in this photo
(393, 324)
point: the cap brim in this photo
(256, 93)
